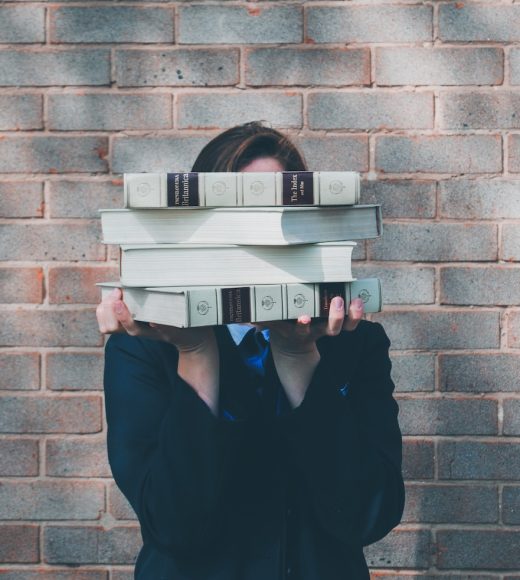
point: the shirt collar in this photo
(238, 331)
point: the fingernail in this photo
(338, 302)
(118, 307)
(357, 303)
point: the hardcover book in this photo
(231, 265)
(154, 190)
(209, 306)
(241, 225)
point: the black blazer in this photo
(262, 497)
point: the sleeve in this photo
(169, 454)
(346, 438)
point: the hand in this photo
(198, 351)
(294, 349)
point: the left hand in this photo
(294, 349)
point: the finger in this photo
(125, 319)
(355, 314)
(336, 316)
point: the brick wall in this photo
(422, 99)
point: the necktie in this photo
(254, 348)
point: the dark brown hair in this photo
(237, 147)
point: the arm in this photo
(348, 443)
(169, 454)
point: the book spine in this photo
(288, 188)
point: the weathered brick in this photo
(109, 112)
(479, 460)
(514, 153)
(333, 152)
(83, 199)
(78, 285)
(512, 417)
(21, 285)
(413, 372)
(418, 459)
(478, 549)
(177, 67)
(479, 373)
(510, 247)
(401, 549)
(74, 371)
(91, 545)
(482, 110)
(203, 24)
(51, 154)
(483, 199)
(370, 110)
(21, 199)
(77, 457)
(436, 242)
(511, 504)
(18, 457)
(401, 198)
(514, 60)
(136, 154)
(439, 154)
(19, 544)
(448, 416)
(20, 371)
(47, 241)
(121, 574)
(20, 112)
(209, 111)
(427, 330)
(111, 24)
(378, 23)
(513, 330)
(51, 573)
(53, 500)
(402, 285)
(435, 503)
(498, 23)
(48, 67)
(437, 576)
(118, 505)
(479, 285)
(50, 414)
(439, 66)
(22, 24)
(308, 66)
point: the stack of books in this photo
(201, 249)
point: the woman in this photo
(239, 467)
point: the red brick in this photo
(50, 414)
(51, 241)
(83, 199)
(51, 500)
(19, 544)
(19, 457)
(77, 457)
(21, 285)
(55, 328)
(78, 285)
(51, 573)
(74, 371)
(20, 371)
(118, 505)
(21, 199)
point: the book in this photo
(241, 225)
(209, 306)
(153, 190)
(231, 265)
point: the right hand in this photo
(113, 316)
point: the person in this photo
(280, 469)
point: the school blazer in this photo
(262, 497)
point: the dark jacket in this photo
(262, 497)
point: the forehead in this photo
(263, 164)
